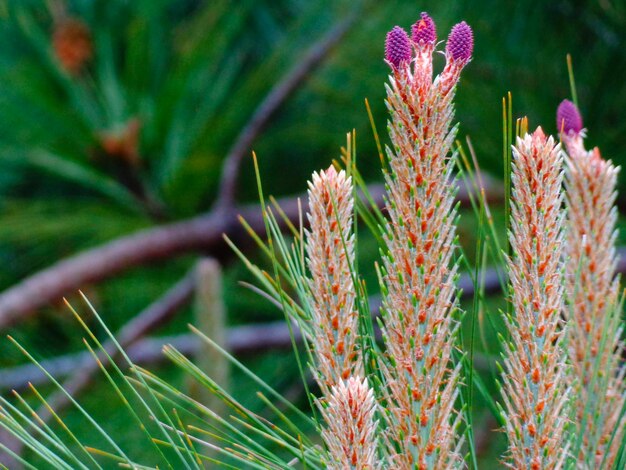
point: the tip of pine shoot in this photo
(568, 118)
(397, 47)
(460, 43)
(539, 135)
(424, 30)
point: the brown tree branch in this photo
(272, 102)
(49, 285)
(200, 234)
(241, 340)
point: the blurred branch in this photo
(49, 285)
(210, 318)
(202, 233)
(272, 102)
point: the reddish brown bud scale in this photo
(72, 44)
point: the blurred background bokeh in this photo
(117, 116)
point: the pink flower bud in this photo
(568, 118)
(460, 42)
(424, 30)
(397, 47)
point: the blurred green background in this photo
(116, 115)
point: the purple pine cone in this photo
(397, 47)
(424, 30)
(460, 42)
(568, 118)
